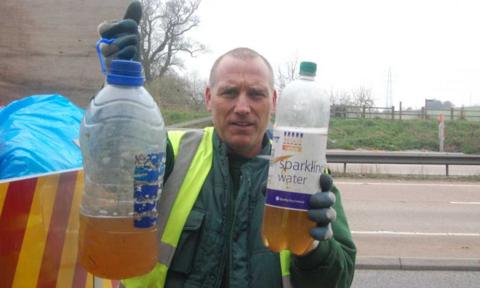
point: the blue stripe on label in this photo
(148, 175)
(145, 222)
(284, 199)
(148, 167)
(145, 192)
(144, 207)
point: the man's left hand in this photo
(322, 211)
(125, 36)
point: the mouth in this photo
(241, 124)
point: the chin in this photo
(240, 141)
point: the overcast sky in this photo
(431, 46)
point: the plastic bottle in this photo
(123, 141)
(298, 158)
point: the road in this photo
(404, 169)
(413, 279)
(413, 219)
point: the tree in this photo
(287, 73)
(176, 92)
(196, 88)
(359, 97)
(163, 32)
(352, 103)
(170, 91)
(340, 101)
(363, 97)
(340, 97)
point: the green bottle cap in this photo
(308, 68)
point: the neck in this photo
(250, 153)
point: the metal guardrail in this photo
(427, 158)
(359, 157)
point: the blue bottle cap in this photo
(126, 73)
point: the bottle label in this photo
(148, 177)
(297, 161)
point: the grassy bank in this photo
(380, 134)
(173, 117)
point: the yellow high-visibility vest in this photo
(193, 153)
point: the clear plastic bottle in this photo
(298, 158)
(123, 142)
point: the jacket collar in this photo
(221, 148)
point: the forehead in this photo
(233, 70)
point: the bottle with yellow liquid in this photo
(123, 142)
(297, 160)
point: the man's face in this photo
(241, 102)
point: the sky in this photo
(431, 47)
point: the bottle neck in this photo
(122, 85)
(307, 77)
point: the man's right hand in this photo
(125, 34)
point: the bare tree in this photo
(177, 92)
(363, 97)
(196, 88)
(355, 102)
(170, 91)
(363, 101)
(340, 97)
(287, 73)
(163, 29)
(359, 97)
(340, 100)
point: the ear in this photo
(274, 101)
(208, 99)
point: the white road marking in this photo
(465, 203)
(407, 184)
(416, 233)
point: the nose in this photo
(242, 106)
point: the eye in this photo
(257, 93)
(229, 92)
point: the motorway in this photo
(419, 219)
(414, 233)
(415, 279)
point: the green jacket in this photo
(223, 231)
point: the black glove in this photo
(322, 211)
(125, 34)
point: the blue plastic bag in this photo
(37, 135)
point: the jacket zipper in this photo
(231, 216)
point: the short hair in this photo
(243, 53)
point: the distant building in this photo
(433, 104)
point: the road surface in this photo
(413, 279)
(413, 219)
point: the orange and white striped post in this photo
(39, 221)
(441, 132)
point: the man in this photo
(220, 244)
